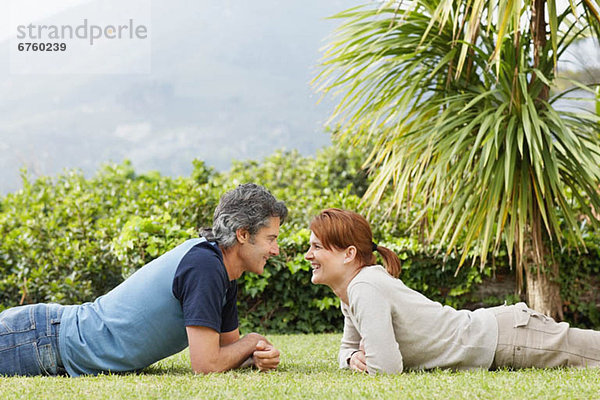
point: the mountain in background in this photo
(229, 80)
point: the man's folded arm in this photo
(211, 351)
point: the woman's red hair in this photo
(337, 228)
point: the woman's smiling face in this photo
(328, 266)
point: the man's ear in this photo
(350, 254)
(242, 235)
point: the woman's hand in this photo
(358, 361)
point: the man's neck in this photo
(232, 262)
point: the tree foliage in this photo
(454, 96)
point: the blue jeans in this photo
(29, 340)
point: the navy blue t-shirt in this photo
(203, 288)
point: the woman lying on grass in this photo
(389, 328)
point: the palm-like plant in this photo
(454, 97)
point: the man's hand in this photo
(266, 357)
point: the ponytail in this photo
(391, 262)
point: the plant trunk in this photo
(539, 38)
(541, 270)
(543, 292)
(541, 273)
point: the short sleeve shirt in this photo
(202, 286)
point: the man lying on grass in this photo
(185, 297)
(389, 328)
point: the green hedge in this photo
(69, 239)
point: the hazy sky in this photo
(220, 80)
(224, 80)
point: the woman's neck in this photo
(341, 289)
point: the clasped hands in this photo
(265, 356)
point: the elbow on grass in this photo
(207, 368)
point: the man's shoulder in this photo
(204, 250)
(202, 258)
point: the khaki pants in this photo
(527, 338)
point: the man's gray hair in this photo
(249, 206)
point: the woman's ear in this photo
(349, 254)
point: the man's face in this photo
(259, 248)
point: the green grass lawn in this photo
(308, 370)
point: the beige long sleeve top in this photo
(402, 329)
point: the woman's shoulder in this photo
(375, 275)
(372, 282)
(374, 270)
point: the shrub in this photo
(69, 239)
